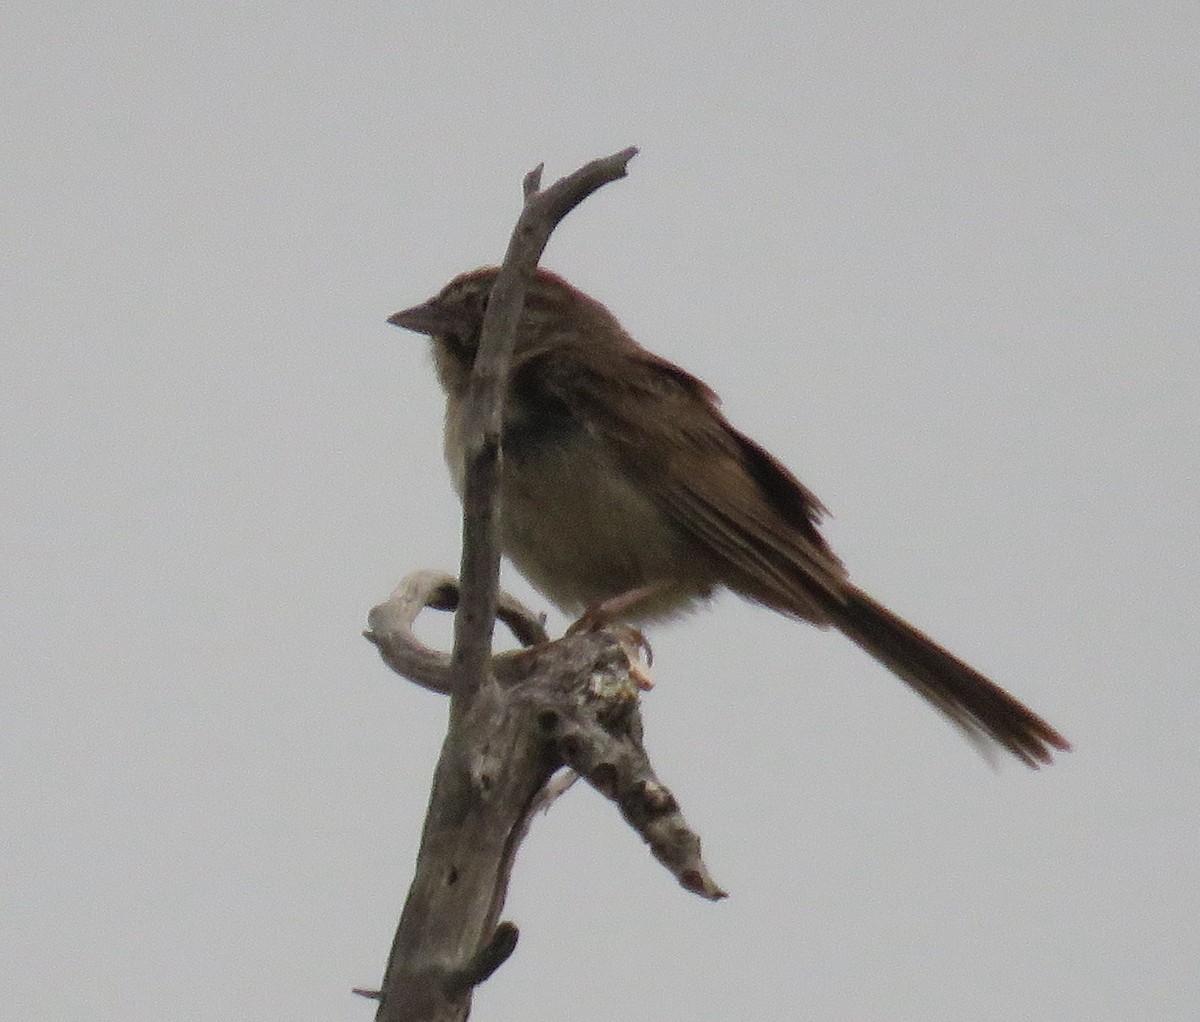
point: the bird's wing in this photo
(715, 483)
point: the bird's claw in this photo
(632, 641)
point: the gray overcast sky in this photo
(941, 258)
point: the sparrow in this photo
(625, 491)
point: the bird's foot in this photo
(608, 615)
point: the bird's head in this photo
(554, 314)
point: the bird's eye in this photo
(470, 303)
(466, 340)
(472, 340)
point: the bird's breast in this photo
(576, 525)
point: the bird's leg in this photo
(608, 614)
(617, 608)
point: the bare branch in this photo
(390, 627)
(533, 180)
(598, 733)
(572, 702)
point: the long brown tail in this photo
(979, 707)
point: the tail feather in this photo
(977, 706)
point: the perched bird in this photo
(623, 487)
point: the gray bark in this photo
(569, 704)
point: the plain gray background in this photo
(941, 258)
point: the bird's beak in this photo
(430, 318)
